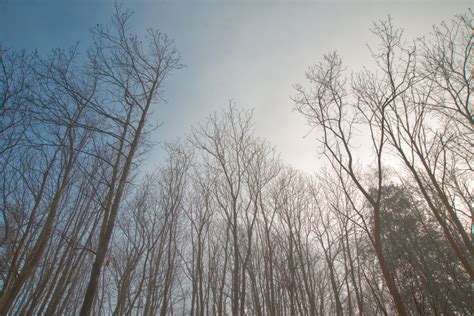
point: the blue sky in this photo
(251, 52)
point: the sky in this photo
(247, 52)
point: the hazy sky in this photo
(251, 52)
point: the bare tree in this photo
(243, 167)
(133, 74)
(222, 226)
(329, 105)
(414, 107)
(45, 164)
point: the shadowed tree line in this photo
(223, 226)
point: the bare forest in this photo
(224, 226)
